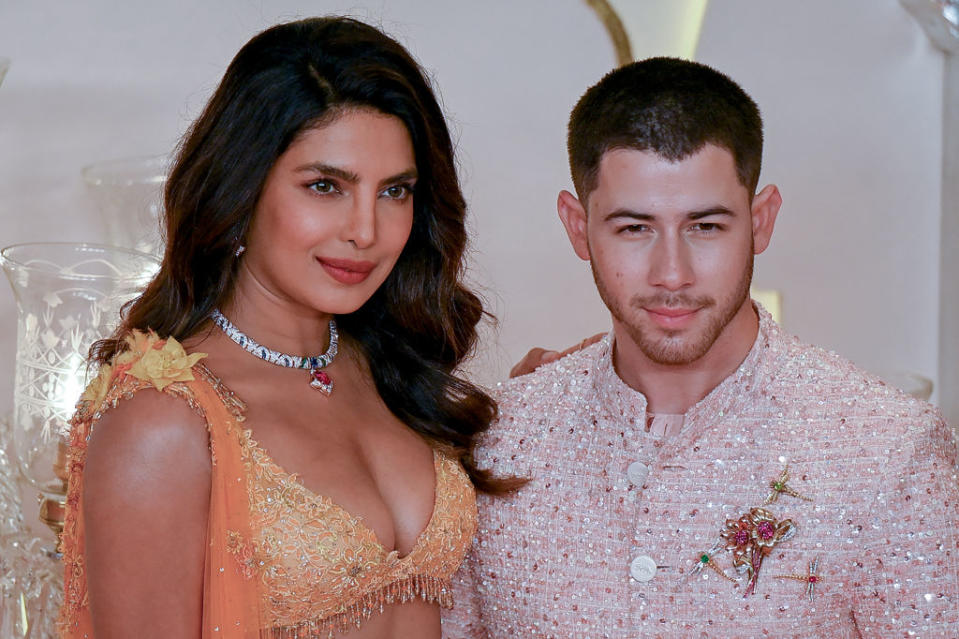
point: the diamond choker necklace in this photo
(319, 379)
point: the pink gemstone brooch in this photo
(751, 538)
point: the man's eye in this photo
(707, 227)
(323, 186)
(634, 228)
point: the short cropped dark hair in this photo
(669, 106)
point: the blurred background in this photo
(852, 93)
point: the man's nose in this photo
(671, 266)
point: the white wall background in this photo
(851, 94)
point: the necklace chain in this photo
(250, 345)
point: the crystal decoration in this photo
(68, 296)
(31, 582)
(940, 20)
(129, 197)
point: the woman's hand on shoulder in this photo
(537, 357)
(146, 495)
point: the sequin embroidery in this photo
(553, 560)
(323, 569)
(314, 569)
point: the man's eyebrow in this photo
(628, 214)
(713, 210)
(329, 169)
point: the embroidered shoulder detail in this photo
(235, 405)
(158, 362)
(148, 362)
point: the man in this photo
(699, 472)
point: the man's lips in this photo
(346, 271)
(671, 317)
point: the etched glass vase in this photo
(68, 296)
(129, 197)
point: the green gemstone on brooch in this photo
(704, 559)
(778, 487)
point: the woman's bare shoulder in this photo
(149, 440)
(146, 496)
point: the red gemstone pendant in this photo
(321, 381)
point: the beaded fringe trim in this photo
(430, 589)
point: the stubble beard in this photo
(669, 348)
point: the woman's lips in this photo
(672, 318)
(346, 271)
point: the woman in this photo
(276, 444)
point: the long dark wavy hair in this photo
(421, 323)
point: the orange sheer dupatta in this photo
(230, 592)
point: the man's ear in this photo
(573, 216)
(764, 210)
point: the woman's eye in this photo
(323, 186)
(398, 191)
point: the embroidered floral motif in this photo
(233, 404)
(296, 551)
(751, 538)
(96, 390)
(242, 551)
(323, 570)
(160, 362)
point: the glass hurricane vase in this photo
(68, 296)
(128, 194)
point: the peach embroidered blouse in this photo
(282, 561)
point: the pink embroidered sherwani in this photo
(619, 532)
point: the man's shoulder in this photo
(550, 386)
(830, 384)
(532, 406)
(557, 377)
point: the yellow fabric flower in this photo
(162, 361)
(138, 343)
(97, 389)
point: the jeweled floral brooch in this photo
(751, 538)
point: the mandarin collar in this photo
(627, 405)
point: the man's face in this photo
(671, 246)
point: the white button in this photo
(642, 568)
(637, 472)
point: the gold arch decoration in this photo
(614, 27)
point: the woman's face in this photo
(334, 214)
